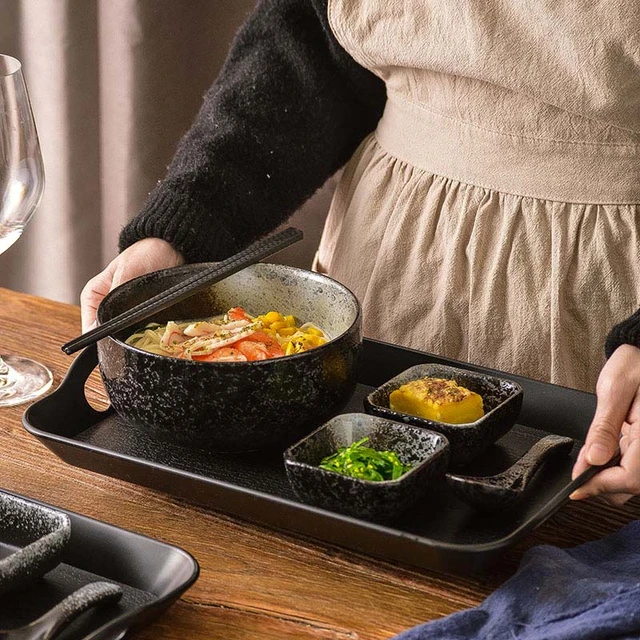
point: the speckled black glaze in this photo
(231, 406)
(507, 489)
(426, 451)
(56, 619)
(502, 401)
(40, 533)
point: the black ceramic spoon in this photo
(47, 626)
(506, 489)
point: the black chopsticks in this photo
(250, 255)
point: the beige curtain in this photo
(113, 84)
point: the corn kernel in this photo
(287, 331)
(290, 320)
(272, 316)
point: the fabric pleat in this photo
(492, 216)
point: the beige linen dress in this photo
(492, 215)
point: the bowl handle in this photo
(67, 400)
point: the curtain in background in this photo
(113, 85)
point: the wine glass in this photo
(21, 187)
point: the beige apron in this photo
(492, 215)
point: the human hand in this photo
(141, 257)
(616, 424)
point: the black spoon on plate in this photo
(50, 624)
(506, 489)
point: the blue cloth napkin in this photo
(590, 592)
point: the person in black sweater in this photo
(289, 109)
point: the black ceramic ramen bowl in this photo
(235, 406)
(426, 451)
(32, 540)
(502, 401)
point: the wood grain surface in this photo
(254, 582)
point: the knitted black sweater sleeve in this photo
(288, 109)
(627, 332)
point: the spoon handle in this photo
(539, 453)
(57, 618)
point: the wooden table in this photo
(254, 582)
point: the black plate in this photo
(152, 576)
(440, 532)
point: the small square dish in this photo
(501, 399)
(426, 452)
(32, 541)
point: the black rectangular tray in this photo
(152, 575)
(440, 533)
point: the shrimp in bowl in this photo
(234, 336)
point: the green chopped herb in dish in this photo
(365, 463)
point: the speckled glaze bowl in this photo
(235, 406)
(426, 451)
(38, 534)
(502, 401)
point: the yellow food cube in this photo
(437, 399)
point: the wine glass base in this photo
(26, 380)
